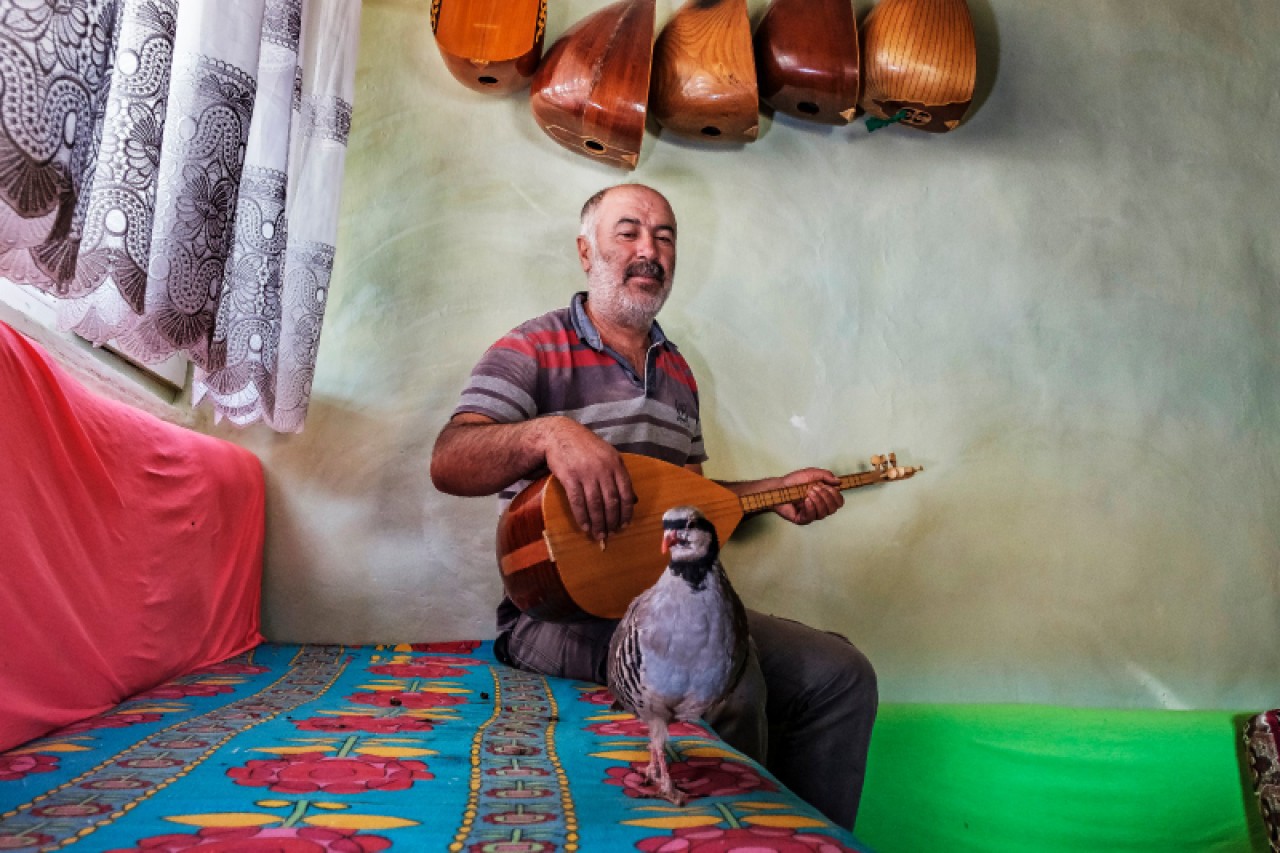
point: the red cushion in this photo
(131, 548)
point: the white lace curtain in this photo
(170, 170)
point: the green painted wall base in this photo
(1043, 779)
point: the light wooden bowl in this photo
(920, 57)
(704, 76)
(490, 46)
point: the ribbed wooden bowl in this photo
(704, 76)
(807, 61)
(591, 92)
(919, 56)
(490, 46)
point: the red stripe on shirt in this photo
(677, 368)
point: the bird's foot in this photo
(658, 782)
(668, 792)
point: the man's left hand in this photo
(822, 499)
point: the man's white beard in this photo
(609, 296)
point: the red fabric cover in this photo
(130, 548)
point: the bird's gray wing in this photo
(626, 661)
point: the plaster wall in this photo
(1066, 310)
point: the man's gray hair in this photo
(590, 216)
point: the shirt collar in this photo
(587, 331)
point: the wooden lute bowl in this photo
(920, 57)
(490, 46)
(807, 60)
(704, 76)
(591, 93)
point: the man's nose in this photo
(646, 246)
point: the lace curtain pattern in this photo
(169, 169)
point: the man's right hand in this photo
(593, 476)
(474, 455)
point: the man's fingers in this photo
(824, 501)
(577, 504)
(626, 496)
(596, 514)
(612, 507)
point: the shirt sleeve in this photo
(503, 383)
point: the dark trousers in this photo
(804, 708)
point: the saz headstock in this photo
(890, 469)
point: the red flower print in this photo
(417, 670)
(109, 721)
(356, 722)
(635, 728)
(697, 777)
(255, 840)
(309, 772)
(14, 767)
(390, 698)
(457, 647)
(182, 691)
(711, 839)
(600, 696)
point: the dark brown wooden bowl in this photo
(807, 61)
(591, 93)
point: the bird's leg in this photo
(657, 776)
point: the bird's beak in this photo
(668, 537)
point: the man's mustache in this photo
(648, 269)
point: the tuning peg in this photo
(877, 461)
(893, 459)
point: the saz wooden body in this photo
(490, 46)
(554, 571)
(807, 59)
(919, 56)
(592, 92)
(704, 75)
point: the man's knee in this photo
(851, 676)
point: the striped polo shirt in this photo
(557, 364)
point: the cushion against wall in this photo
(131, 548)
(1042, 779)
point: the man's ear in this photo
(584, 253)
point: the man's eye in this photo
(665, 238)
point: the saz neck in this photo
(757, 501)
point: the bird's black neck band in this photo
(692, 572)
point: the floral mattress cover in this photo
(419, 747)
